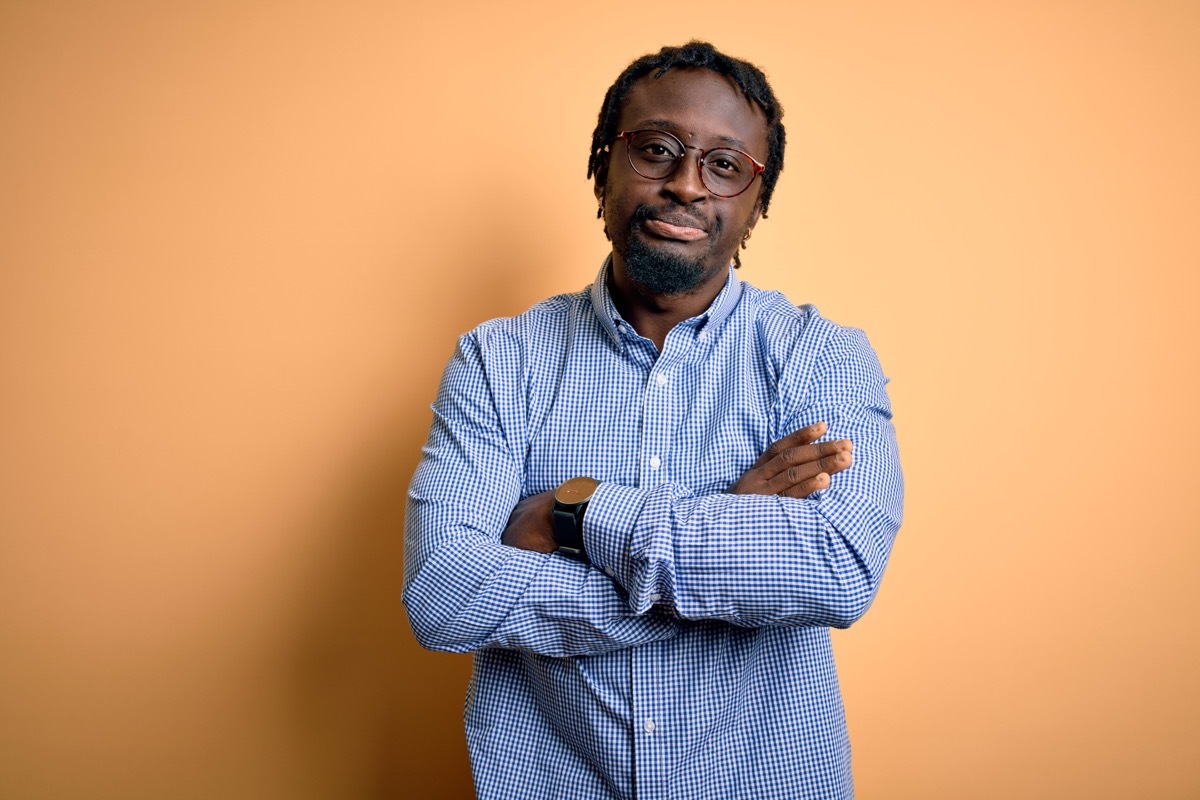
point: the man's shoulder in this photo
(772, 307)
(553, 311)
(781, 322)
(543, 325)
(798, 342)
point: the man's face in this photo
(672, 236)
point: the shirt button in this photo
(655, 462)
(648, 726)
(609, 571)
(660, 379)
(654, 598)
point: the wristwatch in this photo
(570, 501)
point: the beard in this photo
(658, 271)
(661, 273)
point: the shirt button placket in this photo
(649, 742)
(649, 768)
(657, 423)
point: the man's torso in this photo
(720, 710)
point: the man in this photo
(658, 627)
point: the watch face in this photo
(575, 491)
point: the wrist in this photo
(571, 500)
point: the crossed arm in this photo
(795, 466)
(766, 552)
(470, 591)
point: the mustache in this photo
(675, 215)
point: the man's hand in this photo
(531, 524)
(794, 466)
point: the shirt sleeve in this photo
(757, 560)
(463, 589)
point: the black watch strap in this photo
(568, 531)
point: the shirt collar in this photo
(722, 305)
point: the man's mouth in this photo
(667, 230)
(679, 227)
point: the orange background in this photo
(237, 242)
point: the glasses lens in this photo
(654, 154)
(727, 172)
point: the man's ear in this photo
(599, 179)
(600, 209)
(758, 212)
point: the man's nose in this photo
(684, 184)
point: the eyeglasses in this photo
(724, 171)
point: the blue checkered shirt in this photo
(692, 657)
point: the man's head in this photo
(676, 231)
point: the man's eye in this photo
(723, 163)
(657, 150)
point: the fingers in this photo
(806, 435)
(797, 465)
(805, 488)
(803, 474)
(826, 455)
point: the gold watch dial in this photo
(575, 491)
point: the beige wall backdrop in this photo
(238, 240)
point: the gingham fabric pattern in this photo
(692, 657)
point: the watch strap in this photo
(568, 530)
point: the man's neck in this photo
(654, 315)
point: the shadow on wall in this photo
(380, 714)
